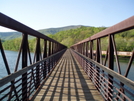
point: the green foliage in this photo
(104, 43)
(72, 36)
(32, 44)
(12, 44)
(13, 35)
(55, 30)
(9, 35)
(15, 44)
(124, 41)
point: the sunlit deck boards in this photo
(68, 82)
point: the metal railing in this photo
(22, 84)
(113, 85)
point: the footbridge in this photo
(55, 73)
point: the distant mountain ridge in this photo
(13, 35)
(9, 35)
(55, 30)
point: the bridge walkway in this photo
(67, 82)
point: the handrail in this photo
(120, 27)
(92, 48)
(47, 52)
(120, 77)
(109, 83)
(12, 76)
(8, 22)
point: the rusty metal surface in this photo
(23, 84)
(8, 22)
(99, 75)
(29, 84)
(122, 26)
(95, 54)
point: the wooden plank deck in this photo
(67, 82)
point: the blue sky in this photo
(40, 14)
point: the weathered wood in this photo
(68, 82)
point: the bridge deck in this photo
(67, 82)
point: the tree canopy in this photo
(124, 41)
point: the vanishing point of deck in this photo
(67, 82)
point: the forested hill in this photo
(67, 37)
(73, 36)
(55, 30)
(9, 35)
(124, 41)
(13, 35)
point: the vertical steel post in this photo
(56, 47)
(37, 59)
(91, 51)
(83, 44)
(24, 64)
(87, 66)
(44, 56)
(8, 71)
(87, 49)
(83, 54)
(53, 48)
(78, 51)
(52, 53)
(98, 51)
(81, 48)
(86, 56)
(91, 57)
(49, 53)
(98, 60)
(110, 64)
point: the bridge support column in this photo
(49, 53)
(98, 60)
(110, 65)
(91, 50)
(37, 53)
(91, 57)
(44, 56)
(52, 52)
(24, 64)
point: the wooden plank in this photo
(67, 82)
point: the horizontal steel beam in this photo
(8, 22)
(120, 27)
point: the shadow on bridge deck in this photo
(67, 82)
